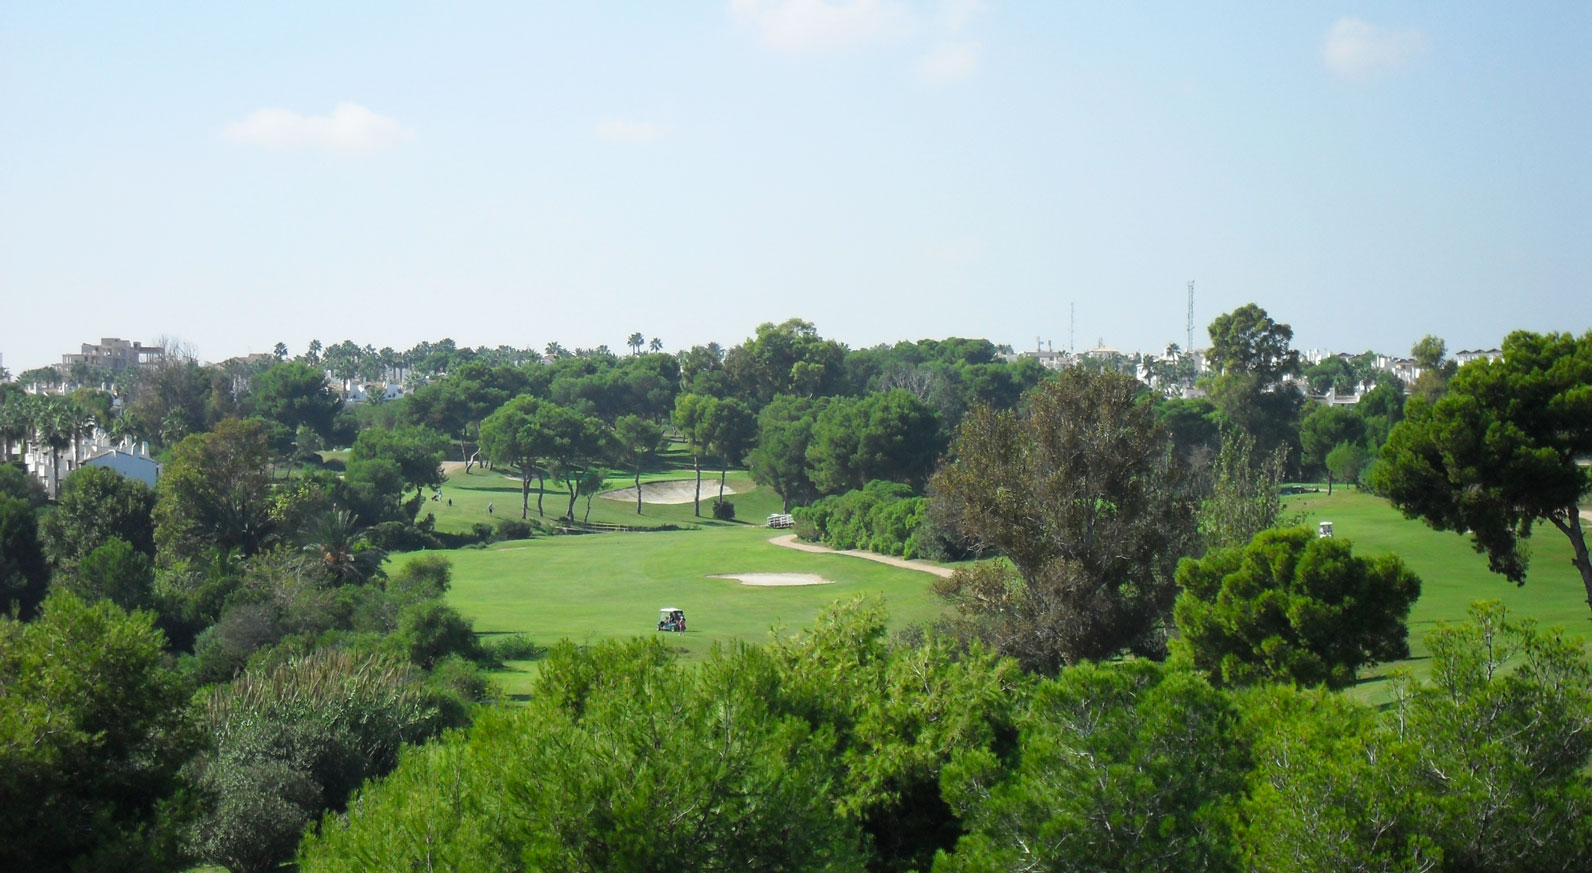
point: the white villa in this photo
(126, 457)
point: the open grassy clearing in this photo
(589, 588)
(471, 492)
(611, 586)
(1452, 574)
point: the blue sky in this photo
(239, 174)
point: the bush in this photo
(396, 536)
(514, 529)
(882, 517)
(515, 647)
(723, 510)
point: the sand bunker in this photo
(776, 580)
(669, 491)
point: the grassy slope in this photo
(471, 492)
(611, 585)
(1452, 574)
(594, 587)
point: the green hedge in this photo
(883, 517)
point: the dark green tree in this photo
(891, 435)
(1249, 358)
(732, 428)
(418, 452)
(514, 436)
(693, 417)
(95, 505)
(113, 571)
(779, 459)
(24, 573)
(640, 439)
(1292, 607)
(295, 395)
(1082, 493)
(1322, 429)
(214, 493)
(96, 729)
(1500, 451)
(1128, 766)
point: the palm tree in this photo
(636, 341)
(335, 545)
(656, 345)
(557, 350)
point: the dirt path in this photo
(789, 542)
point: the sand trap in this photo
(670, 491)
(776, 580)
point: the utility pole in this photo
(1072, 323)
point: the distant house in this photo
(127, 458)
(115, 354)
(132, 461)
(1465, 356)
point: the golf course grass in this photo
(1452, 574)
(601, 586)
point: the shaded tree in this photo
(24, 574)
(1249, 358)
(1245, 496)
(96, 731)
(1293, 607)
(214, 492)
(640, 439)
(295, 395)
(97, 504)
(1082, 493)
(779, 457)
(1500, 451)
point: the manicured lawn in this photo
(1452, 574)
(589, 588)
(471, 492)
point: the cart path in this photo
(789, 542)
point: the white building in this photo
(125, 457)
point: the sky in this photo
(238, 174)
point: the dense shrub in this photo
(723, 510)
(397, 536)
(514, 529)
(882, 517)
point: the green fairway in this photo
(588, 588)
(1452, 573)
(471, 493)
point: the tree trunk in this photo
(723, 474)
(1577, 536)
(697, 460)
(638, 484)
(1329, 483)
(573, 484)
(525, 492)
(541, 489)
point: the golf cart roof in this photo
(670, 609)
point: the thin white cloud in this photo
(628, 131)
(1353, 49)
(950, 62)
(806, 25)
(955, 14)
(349, 128)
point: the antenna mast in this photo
(1190, 347)
(1072, 323)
